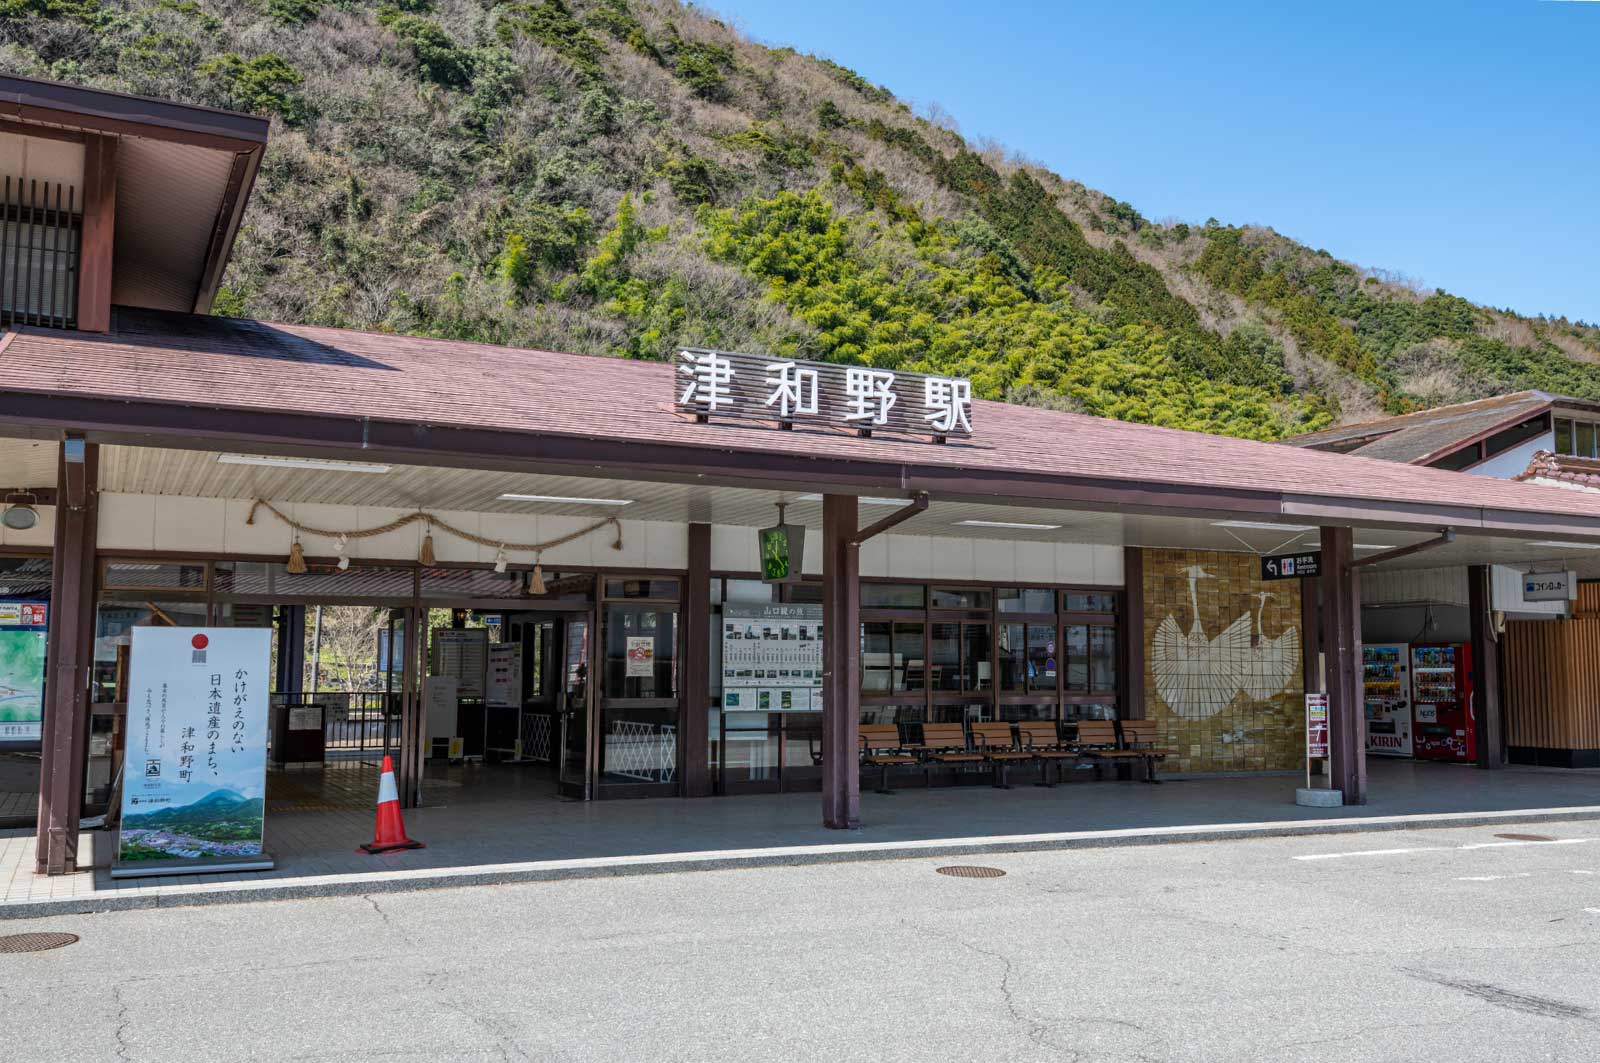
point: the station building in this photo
(964, 562)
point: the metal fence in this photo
(353, 725)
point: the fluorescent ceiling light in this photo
(1566, 546)
(563, 500)
(864, 501)
(1263, 525)
(318, 464)
(1008, 524)
(1373, 546)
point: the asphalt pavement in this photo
(1443, 945)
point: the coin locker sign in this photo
(195, 772)
(772, 658)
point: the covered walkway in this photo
(316, 851)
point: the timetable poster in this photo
(772, 658)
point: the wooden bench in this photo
(945, 743)
(1042, 740)
(999, 747)
(1098, 743)
(1139, 738)
(882, 748)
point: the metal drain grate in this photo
(1526, 837)
(34, 942)
(970, 871)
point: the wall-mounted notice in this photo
(772, 658)
(196, 763)
(22, 643)
(641, 656)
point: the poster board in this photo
(439, 703)
(772, 658)
(505, 676)
(23, 632)
(462, 653)
(194, 788)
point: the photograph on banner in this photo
(22, 646)
(195, 777)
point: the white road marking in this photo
(1494, 878)
(1372, 852)
(1576, 872)
(1441, 848)
(1593, 911)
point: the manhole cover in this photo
(34, 942)
(1526, 837)
(970, 871)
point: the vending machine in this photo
(1386, 698)
(1441, 703)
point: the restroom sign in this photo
(1304, 565)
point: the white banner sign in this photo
(194, 776)
(1547, 587)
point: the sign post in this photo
(1317, 749)
(195, 774)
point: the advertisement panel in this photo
(22, 645)
(194, 777)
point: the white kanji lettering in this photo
(710, 376)
(794, 388)
(949, 402)
(870, 394)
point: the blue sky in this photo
(1454, 143)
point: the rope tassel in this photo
(425, 556)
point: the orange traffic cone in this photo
(391, 832)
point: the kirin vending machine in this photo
(1386, 698)
(1441, 703)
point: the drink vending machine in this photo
(1441, 700)
(1386, 698)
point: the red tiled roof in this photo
(215, 363)
(1562, 468)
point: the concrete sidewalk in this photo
(532, 839)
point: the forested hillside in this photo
(624, 176)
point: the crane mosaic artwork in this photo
(1197, 675)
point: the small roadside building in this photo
(713, 574)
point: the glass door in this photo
(576, 701)
(638, 739)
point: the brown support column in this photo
(411, 706)
(693, 724)
(99, 227)
(69, 650)
(1311, 636)
(841, 663)
(1486, 670)
(1133, 634)
(1341, 635)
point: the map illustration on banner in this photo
(22, 645)
(194, 781)
(772, 658)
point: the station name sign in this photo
(789, 392)
(1304, 565)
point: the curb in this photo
(357, 884)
